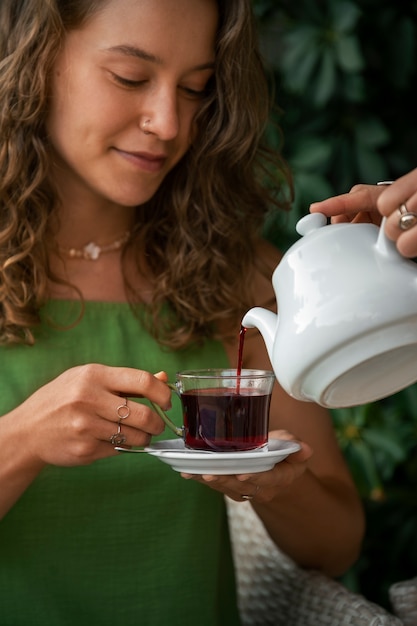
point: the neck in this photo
(83, 216)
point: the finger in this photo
(252, 493)
(363, 217)
(124, 435)
(90, 380)
(138, 427)
(340, 219)
(139, 383)
(162, 376)
(367, 217)
(112, 408)
(361, 198)
(281, 475)
(337, 205)
(302, 455)
(405, 238)
(230, 486)
(400, 191)
(407, 243)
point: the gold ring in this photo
(125, 411)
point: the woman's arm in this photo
(308, 504)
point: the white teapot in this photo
(346, 329)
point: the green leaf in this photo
(401, 55)
(384, 441)
(310, 153)
(326, 79)
(297, 45)
(263, 7)
(371, 132)
(344, 15)
(371, 166)
(362, 465)
(349, 55)
(309, 188)
(354, 88)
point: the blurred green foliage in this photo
(344, 75)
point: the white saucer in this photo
(181, 459)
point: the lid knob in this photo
(311, 222)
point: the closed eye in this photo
(127, 82)
(195, 93)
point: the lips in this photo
(147, 161)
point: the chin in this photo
(134, 198)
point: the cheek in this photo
(63, 128)
(63, 111)
(80, 120)
(189, 127)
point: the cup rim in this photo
(223, 372)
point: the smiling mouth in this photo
(144, 160)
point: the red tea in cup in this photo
(224, 420)
(225, 410)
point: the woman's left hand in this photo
(397, 199)
(357, 206)
(260, 486)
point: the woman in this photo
(130, 171)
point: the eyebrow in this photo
(134, 51)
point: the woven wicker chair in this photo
(272, 589)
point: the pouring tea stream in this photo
(346, 329)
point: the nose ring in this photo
(144, 126)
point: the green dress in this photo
(124, 540)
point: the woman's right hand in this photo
(71, 420)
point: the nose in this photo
(161, 109)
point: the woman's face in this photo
(135, 60)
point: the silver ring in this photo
(143, 127)
(250, 497)
(125, 413)
(407, 219)
(118, 439)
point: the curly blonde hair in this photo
(200, 229)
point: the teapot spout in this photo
(266, 322)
